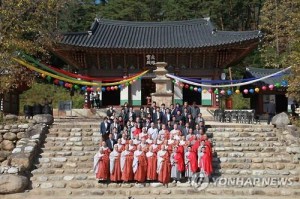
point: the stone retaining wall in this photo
(19, 145)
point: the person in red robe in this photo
(205, 163)
(151, 164)
(115, 166)
(131, 146)
(101, 165)
(190, 159)
(177, 164)
(139, 165)
(120, 145)
(126, 164)
(163, 165)
(106, 150)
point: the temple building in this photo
(192, 48)
(259, 101)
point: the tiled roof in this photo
(197, 33)
(252, 72)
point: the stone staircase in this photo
(255, 153)
(64, 168)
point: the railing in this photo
(238, 116)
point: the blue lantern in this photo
(103, 89)
(251, 90)
(83, 88)
(199, 90)
(61, 83)
(229, 92)
(284, 83)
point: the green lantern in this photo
(277, 85)
(48, 78)
(76, 87)
(191, 88)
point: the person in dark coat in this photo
(110, 142)
(104, 128)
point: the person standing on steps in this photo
(139, 165)
(104, 128)
(271, 110)
(101, 165)
(115, 165)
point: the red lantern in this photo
(210, 90)
(66, 85)
(56, 81)
(186, 86)
(264, 88)
(91, 89)
(70, 85)
(108, 88)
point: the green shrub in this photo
(239, 102)
(54, 93)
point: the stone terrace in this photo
(64, 168)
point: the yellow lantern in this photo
(237, 91)
(256, 90)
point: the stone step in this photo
(244, 139)
(235, 128)
(76, 125)
(174, 192)
(67, 165)
(83, 181)
(50, 171)
(247, 144)
(280, 156)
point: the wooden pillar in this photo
(111, 61)
(190, 62)
(138, 61)
(204, 59)
(177, 66)
(98, 60)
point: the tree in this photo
(228, 15)
(279, 31)
(281, 47)
(30, 26)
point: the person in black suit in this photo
(157, 115)
(110, 142)
(110, 112)
(167, 116)
(131, 114)
(104, 128)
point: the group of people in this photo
(157, 144)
